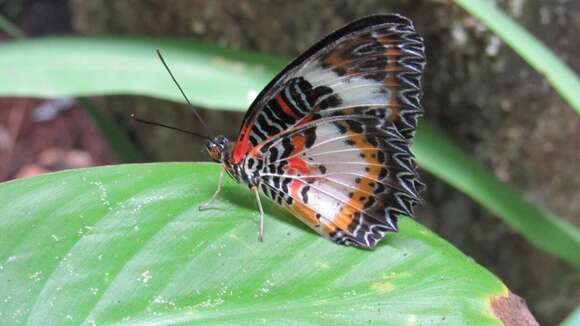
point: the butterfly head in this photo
(218, 148)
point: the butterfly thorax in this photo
(220, 151)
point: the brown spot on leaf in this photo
(512, 310)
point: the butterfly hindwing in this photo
(329, 137)
(353, 182)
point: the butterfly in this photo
(329, 137)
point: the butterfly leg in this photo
(207, 204)
(261, 226)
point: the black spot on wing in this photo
(288, 147)
(331, 101)
(304, 194)
(355, 126)
(314, 94)
(285, 185)
(273, 154)
(310, 137)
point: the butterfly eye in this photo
(215, 153)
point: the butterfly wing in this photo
(329, 137)
(347, 184)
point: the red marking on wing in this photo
(242, 146)
(298, 164)
(295, 186)
(305, 120)
(285, 107)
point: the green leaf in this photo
(127, 244)
(573, 319)
(536, 54)
(216, 77)
(76, 66)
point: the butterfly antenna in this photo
(182, 92)
(166, 126)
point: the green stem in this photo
(12, 30)
(113, 133)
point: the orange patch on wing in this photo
(348, 111)
(336, 58)
(365, 187)
(298, 164)
(344, 217)
(393, 68)
(304, 213)
(298, 141)
(390, 81)
(392, 51)
(339, 57)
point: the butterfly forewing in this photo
(329, 137)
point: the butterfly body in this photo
(329, 138)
